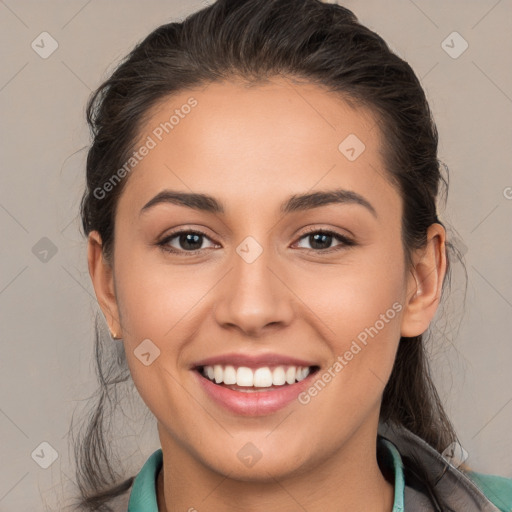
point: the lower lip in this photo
(254, 403)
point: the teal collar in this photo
(394, 461)
(143, 493)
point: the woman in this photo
(263, 238)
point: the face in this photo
(259, 280)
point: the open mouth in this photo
(251, 380)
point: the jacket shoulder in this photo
(497, 489)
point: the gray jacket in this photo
(458, 491)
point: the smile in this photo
(254, 391)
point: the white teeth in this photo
(290, 374)
(304, 373)
(262, 377)
(218, 373)
(278, 376)
(244, 376)
(229, 375)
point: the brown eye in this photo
(188, 241)
(321, 240)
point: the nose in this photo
(254, 296)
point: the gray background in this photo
(47, 302)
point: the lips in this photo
(219, 377)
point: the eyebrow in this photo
(295, 203)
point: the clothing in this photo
(464, 491)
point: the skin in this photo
(252, 148)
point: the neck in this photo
(350, 480)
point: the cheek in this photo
(156, 303)
(351, 298)
(359, 305)
(153, 297)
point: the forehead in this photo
(246, 144)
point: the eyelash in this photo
(346, 242)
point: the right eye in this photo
(188, 239)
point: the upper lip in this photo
(253, 361)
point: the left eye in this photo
(319, 238)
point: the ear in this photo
(425, 283)
(102, 277)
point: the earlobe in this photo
(425, 283)
(102, 277)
